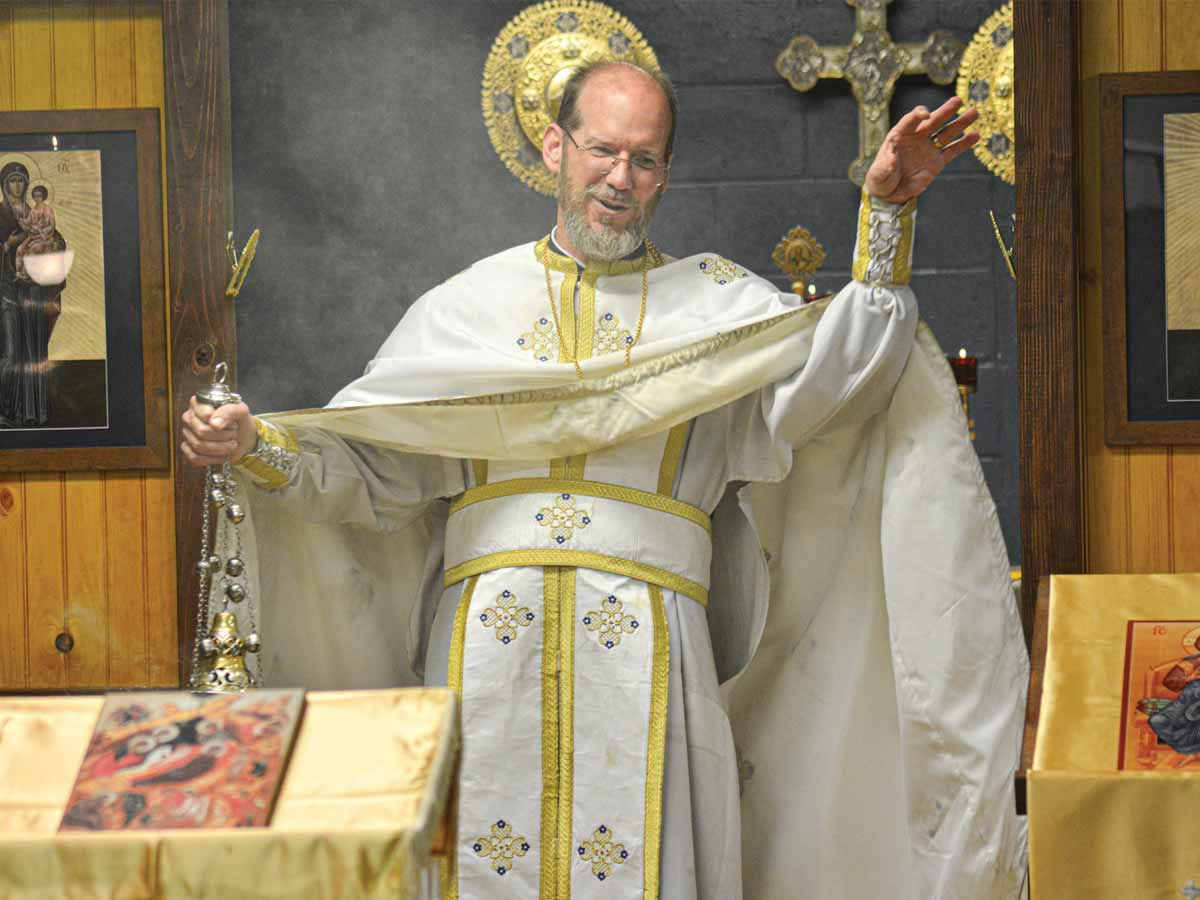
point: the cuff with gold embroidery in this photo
(275, 457)
(883, 251)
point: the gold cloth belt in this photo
(586, 524)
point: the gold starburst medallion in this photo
(985, 81)
(530, 62)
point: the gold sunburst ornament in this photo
(985, 81)
(530, 62)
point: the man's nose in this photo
(620, 176)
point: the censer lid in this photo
(218, 393)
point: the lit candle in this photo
(965, 370)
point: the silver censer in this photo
(219, 652)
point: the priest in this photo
(567, 486)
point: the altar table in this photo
(358, 813)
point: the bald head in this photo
(650, 93)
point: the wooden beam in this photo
(200, 213)
(1047, 293)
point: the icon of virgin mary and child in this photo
(28, 310)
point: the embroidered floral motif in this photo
(501, 847)
(541, 341)
(722, 270)
(611, 621)
(602, 853)
(563, 518)
(506, 616)
(610, 336)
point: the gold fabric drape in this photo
(357, 813)
(1096, 831)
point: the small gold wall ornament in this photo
(529, 64)
(798, 255)
(1007, 250)
(239, 265)
(871, 62)
(985, 81)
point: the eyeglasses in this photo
(640, 164)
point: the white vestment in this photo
(471, 513)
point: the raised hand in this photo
(917, 149)
(211, 436)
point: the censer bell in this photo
(219, 654)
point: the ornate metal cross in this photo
(1191, 891)
(871, 62)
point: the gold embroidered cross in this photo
(871, 62)
(602, 853)
(505, 616)
(500, 848)
(563, 518)
(611, 621)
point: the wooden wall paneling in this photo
(1181, 32)
(85, 582)
(45, 577)
(1106, 482)
(1181, 48)
(125, 572)
(14, 658)
(1047, 290)
(200, 213)
(125, 526)
(115, 65)
(33, 47)
(1150, 545)
(7, 62)
(74, 58)
(161, 625)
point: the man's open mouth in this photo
(611, 206)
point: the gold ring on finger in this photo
(937, 143)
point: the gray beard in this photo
(605, 244)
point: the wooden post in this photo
(200, 214)
(1047, 294)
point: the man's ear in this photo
(552, 147)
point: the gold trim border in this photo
(454, 677)
(672, 457)
(656, 752)
(600, 489)
(551, 584)
(268, 477)
(566, 733)
(584, 559)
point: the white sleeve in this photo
(326, 478)
(863, 339)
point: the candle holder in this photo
(966, 376)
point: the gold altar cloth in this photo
(1096, 831)
(357, 813)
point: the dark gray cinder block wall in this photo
(359, 149)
